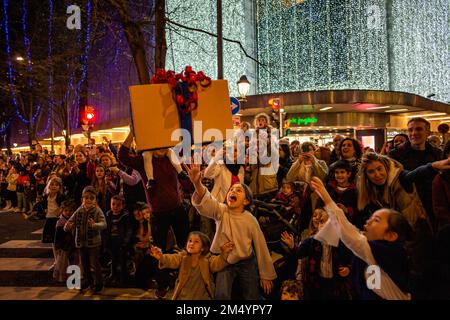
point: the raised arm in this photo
(357, 243)
(426, 170)
(348, 233)
(213, 169)
(132, 179)
(293, 171)
(265, 265)
(202, 200)
(133, 161)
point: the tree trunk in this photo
(160, 34)
(136, 42)
(135, 39)
(31, 133)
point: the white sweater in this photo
(241, 228)
(339, 227)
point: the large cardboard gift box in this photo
(155, 115)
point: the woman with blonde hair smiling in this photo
(383, 183)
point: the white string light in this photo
(328, 44)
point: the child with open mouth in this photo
(250, 260)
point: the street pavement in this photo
(25, 264)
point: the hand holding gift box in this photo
(179, 101)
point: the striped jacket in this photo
(86, 236)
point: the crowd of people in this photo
(307, 229)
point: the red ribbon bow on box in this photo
(184, 86)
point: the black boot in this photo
(150, 184)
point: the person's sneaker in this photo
(160, 294)
(84, 288)
(150, 184)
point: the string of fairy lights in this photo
(84, 61)
(49, 59)
(75, 98)
(199, 50)
(8, 53)
(357, 44)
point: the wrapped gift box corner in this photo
(155, 116)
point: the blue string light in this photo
(8, 51)
(26, 42)
(49, 59)
(46, 127)
(33, 120)
(72, 101)
(10, 68)
(84, 59)
(71, 89)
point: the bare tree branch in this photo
(215, 35)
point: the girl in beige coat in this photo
(196, 266)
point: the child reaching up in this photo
(234, 223)
(380, 245)
(196, 264)
(325, 275)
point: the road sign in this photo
(235, 105)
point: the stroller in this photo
(274, 219)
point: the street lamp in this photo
(19, 58)
(15, 145)
(243, 87)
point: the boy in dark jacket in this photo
(342, 191)
(117, 238)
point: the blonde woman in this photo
(383, 183)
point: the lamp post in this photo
(281, 112)
(243, 88)
(219, 41)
